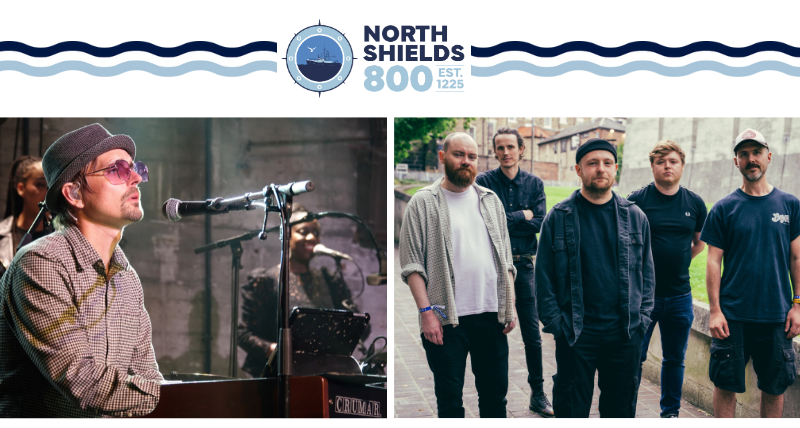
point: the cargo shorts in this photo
(766, 343)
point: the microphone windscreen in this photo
(170, 210)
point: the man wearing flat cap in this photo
(75, 338)
(594, 289)
(756, 230)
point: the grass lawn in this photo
(697, 276)
(414, 190)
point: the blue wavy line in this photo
(614, 52)
(635, 66)
(151, 68)
(138, 46)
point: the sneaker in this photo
(670, 415)
(541, 405)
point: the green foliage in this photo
(420, 129)
(620, 148)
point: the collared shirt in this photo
(524, 192)
(426, 246)
(74, 341)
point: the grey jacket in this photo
(559, 286)
(426, 248)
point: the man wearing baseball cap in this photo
(594, 289)
(75, 338)
(756, 229)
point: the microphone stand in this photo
(28, 237)
(282, 203)
(236, 264)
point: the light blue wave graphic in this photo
(145, 66)
(630, 67)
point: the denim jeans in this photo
(528, 322)
(674, 316)
(480, 336)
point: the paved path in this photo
(413, 380)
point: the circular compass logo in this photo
(319, 58)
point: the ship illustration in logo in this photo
(319, 58)
(321, 68)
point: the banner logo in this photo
(319, 58)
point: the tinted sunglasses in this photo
(120, 172)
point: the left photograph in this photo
(193, 267)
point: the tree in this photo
(420, 129)
(620, 148)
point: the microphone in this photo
(297, 187)
(321, 249)
(174, 210)
(290, 189)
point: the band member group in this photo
(604, 272)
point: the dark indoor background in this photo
(188, 296)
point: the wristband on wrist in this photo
(437, 308)
(796, 299)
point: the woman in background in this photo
(26, 188)
(308, 287)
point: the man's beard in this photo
(130, 213)
(595, 189)
(754, 176)
(460, 177)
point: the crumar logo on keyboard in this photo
(358, 407)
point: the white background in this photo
(673, 23)
(514, 94)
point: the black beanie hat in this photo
(595, 144)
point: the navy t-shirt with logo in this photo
(755, 234)
(674, 219)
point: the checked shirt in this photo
(425, 248)
(73, 341)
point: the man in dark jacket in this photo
(522, 195)
(594, 289)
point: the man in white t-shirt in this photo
(456, 258)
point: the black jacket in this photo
(559, 289)
(524, 192)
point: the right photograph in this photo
(613, 267)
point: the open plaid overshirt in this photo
(73, 341)
(425, 248)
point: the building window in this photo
(564, 145)
(548, 122)
(471, 132)
(562, 121)
(555, 147)
(512, 120)
(576, 141)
